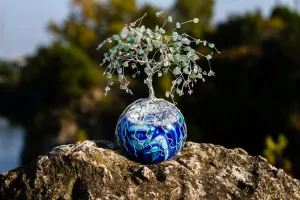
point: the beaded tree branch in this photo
(152, 130)
(135, 43)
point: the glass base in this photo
(151, 130)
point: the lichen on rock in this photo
(99, 170)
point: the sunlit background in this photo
(252, 103)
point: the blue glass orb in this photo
(151, 130)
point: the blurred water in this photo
(11, 145)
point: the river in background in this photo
(11, 145)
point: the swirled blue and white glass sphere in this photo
(151, 130)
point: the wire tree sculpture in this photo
(153, 130)
(171, 53)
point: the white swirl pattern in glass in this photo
(151, 130)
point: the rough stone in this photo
(99, 170)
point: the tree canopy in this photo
(59, 74)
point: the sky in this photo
(23, 25)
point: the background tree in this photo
(9, 73)
(188, 9)
(51, 86)
(59, 75)
(91, 21)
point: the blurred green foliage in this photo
(189, 9)
(9, 73)
(81, 135)
(274, 152)
(273, 149)
(59, 74)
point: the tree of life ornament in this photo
(152, 130)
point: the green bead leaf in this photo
(131, 40)
(156, 43)
(184, 35)
(115, 37)
(195, 70)
(170, 19)
(208, 57)
(159, 14)
(186, 71)
(188, 48)
(195, 57)
(149, 32)
(175, 45)
(162, 31)
(184, 64)
(195, 20)
(150, 47)
(186, 41)
(193, 76)
(210, 73)
(113, 50)
(176, 71)
(126, 64)
(176, 58)
(124, 33)
(132, 32)
(167, 94)
(157, 36)
(108, 75)
(165, 71)
(126, 47)
(199, 76)
(211, 45)
(190, 54)
(156, 28)
(179, 81)
(130, 55)
(175, 36)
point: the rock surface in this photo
(98, 170)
